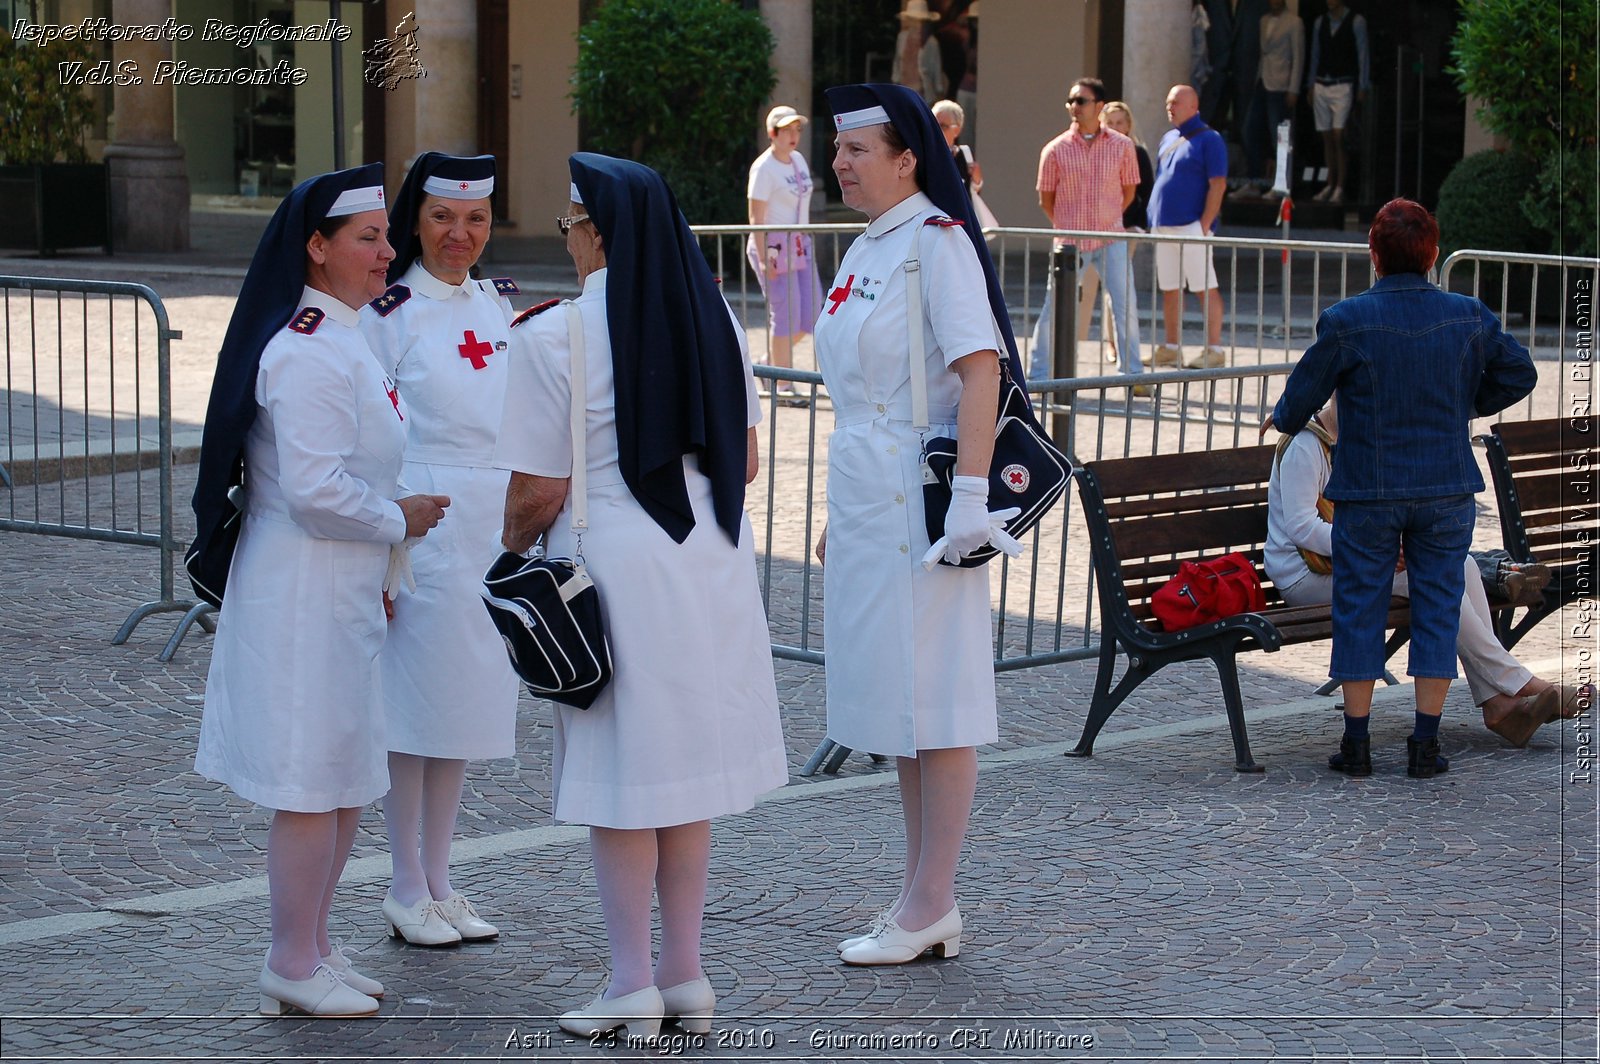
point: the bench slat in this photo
(1546, 436)
(1170, 504)
(1152, 474)
(1192, 535)
(1557, 490)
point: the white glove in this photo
(399, 569)
(968, 524)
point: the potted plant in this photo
(56, 198)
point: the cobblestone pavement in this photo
(1147, 904)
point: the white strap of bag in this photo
(919, 357)
(579, 514)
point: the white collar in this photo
(330, 305)
(892, 218)
(595, 282)
(418, 279)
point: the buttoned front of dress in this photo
(448, 686)
(909, 661)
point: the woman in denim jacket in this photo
(1413, 365)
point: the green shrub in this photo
(41, 121)
(1532, 64)
(1479, 204)
(677, 85)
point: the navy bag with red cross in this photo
(1027, 471)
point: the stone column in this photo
(790, 23)
(148, 176)
(1155, 57)
(447, 99)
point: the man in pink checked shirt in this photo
(1086, 180)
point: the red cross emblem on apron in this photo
(475, 350)
(840, 294)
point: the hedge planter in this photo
(55, 206)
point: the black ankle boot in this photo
(1354, 757)
(1422, 758)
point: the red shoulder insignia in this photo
(506, 286)
(944, 221)
(391, 298)
(533, 311)
(307, 320)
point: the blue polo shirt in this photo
(1189, 157)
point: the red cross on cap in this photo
(463, 185)
(380, 194)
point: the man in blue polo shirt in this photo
(1191, 179)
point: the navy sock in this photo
(1356, 727)
(1427, 726)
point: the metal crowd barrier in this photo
(1547, 303)
(88, 415)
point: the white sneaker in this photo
(1210, 358)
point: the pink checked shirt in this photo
(1087, 177)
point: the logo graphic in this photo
(1016, 477)
(392, 60)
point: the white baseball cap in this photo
(783, 115)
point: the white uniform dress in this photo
(910, 666)
(293, 713)
(688, 727)
(448, 687)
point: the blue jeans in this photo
(1116, 273)
(1367, 540)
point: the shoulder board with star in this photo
(944, 221)
(533, 311)
(505, 286)
(391, 298)
(307, 320)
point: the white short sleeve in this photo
(762, 178)
(957, 296)
(535, 428)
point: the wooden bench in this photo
(1544, 481)
(1145, 516)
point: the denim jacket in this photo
(1413, 365)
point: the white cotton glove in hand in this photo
(968, 524)
(399, 569)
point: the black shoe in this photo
(1354, 757)
(1422, 759)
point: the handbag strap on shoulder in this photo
(579, 513)
(919, 364)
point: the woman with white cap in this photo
(687, 729)
(779, 192)
(910, 667)
(448, 690)
(304, 434)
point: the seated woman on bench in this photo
(1300, 539)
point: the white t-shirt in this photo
(784, 187)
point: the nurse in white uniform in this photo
(910, 667)
(688, 728)
(448, 690)
(293, 717)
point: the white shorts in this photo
(1194, 260)
(1330, 105)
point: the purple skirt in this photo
(794, 297)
